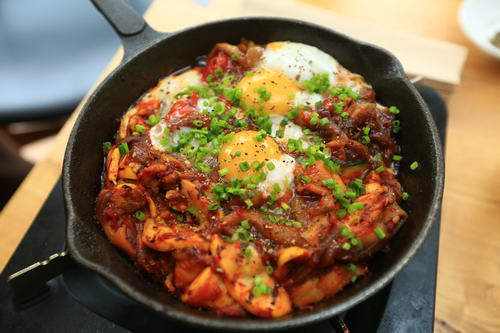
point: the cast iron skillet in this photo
(150, 55)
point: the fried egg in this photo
(272, 90)
(298, 61)
(170, 86)
(244, 149)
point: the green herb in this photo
(249, 203)
(380, 169)
(214, 206)
(245, 224)
(244, 166)
(249, 74)
(394, 110)
(247, 252)
(355, 206)
(234, 57)
(123, 148)
(405, 196)
(346, 246)
(219, 72)
(366, 130)
(305, 178)
(153, 120)
(269, 269)
(264, 94)
(365, 139)
(379, 232)
(197, 123)
(192, 209)
(324, 121)
(344, 93)
(351, 267)
(344, 232)
(341, 213)
(293, 113)
(223, 172)
(140, 215)
(317, 84)
(344, 114)
(414, 165)
(397, 157)
(106, 146)
(140, 129)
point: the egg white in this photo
(299, 61)
(282, 175)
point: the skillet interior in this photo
(98, 123)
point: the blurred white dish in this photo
(480, 21)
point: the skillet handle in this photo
(132, 29)
(30, 284)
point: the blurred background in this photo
(51, 52)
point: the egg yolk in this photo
(272, 90)
(245, 149)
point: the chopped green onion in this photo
(245, 224)
(305, 178)
(405, 196)
(324, 121)
(140, 129)
(355, 206)
(271, 166)
(285, 206)
(394, 110)
(351, 267)
(318, 83)
(414, 165)
(219, 72)
(264, 94)
(197, 123)
(344, 114)
(397, 157)
(341, 213)
(276, 188)
(244, 166)
(223, 172)
(153, 120)
(380, 169)
(123, 148)
(237, 154)
(247, 252)
(250, 74)
(293, 113)
(354, 279)
(297, 224)
(269, 269)
(140, 215)
(379, 232)
(346, 246)
(249, 203)
(214, 206)
(192, 209)
(106, 146)
(365, 139)
(234, 57)
(344, 232)
(366, 130)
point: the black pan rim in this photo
(253, 324)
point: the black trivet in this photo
(79, 300)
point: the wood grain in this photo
(468, 293)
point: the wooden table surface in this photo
(468, 291)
